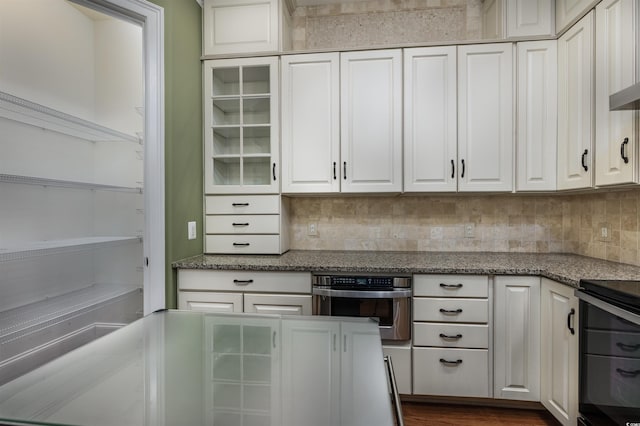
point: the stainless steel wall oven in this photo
(609, 353)
(384, 298)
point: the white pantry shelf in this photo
(25, 111)
(39, 248)
(31, 180)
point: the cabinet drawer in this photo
(205, 301)
(281, 304)
(451, 285)
(242, 204)
(243, 244)
(451, 335)
(268, 282)
(243, 224)
(450, 310)
(451, 372)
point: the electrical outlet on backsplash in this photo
(558, 223)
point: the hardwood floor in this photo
(432, 414)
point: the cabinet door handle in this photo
(240, 224)
(627, 373)
(448, 337)
(274, 339)
(241, 244)
(584, 157)
(240, 204)
(453, 169)
(569, 322)
(627, 348)
(450, 312)
(344, 170)
(242, 282)
(335, 176)
(462, 175)
(452, 363)
(450, 286)
(274, 171)
(622, 146)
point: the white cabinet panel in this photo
(430, 124)
(569, 11)
(517, 338)
(371, 121)
(280, 304)
(526, 18)
(451, 372)
(401, 359)
(575, 105)
(210, 301)
(616, 141)
(485, 117)
(559, 351)
(537, 116)
(311, 123)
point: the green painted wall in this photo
(183, 132)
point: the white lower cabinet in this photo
(400, 355)
(451, 355)
(284, 293)
(559, 349)
(517, 338)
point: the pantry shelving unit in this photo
(71, 246)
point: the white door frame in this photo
(151, 18)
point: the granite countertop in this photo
(565, 268)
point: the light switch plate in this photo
(191, 230)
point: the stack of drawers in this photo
(247, 224)
(451, 335)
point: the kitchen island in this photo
(190, 368)
(565, 268)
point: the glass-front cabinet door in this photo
(241, 126)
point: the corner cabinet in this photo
(575, 105)
(371, 121)
(517, 338)
(241, 126)
(485, 117)
(559, 351)
(616, 138)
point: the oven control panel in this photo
(361, 282)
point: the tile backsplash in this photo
(385, 22)
(502, 223)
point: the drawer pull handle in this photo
(627, 373)
(448, 337)
(569, 323)
(583, 158)
(240, 224)
(451, 311)
(241, 244)
(622, 154)
(628, 348)
(450, 286)
(451, 363)
(240, 204)
(242, 282)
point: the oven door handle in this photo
(362, 294)
(607, 307)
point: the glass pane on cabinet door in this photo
(226, 141)
(225, 112)
(256, 111)
(226, 171)
(255, 80)
(257, 170)
(226, 81)
(257, 140)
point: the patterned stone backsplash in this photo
(385, 23)
(499, 223)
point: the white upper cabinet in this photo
(575, 105)
(526, 18)
(537, 116)
(569, 11)
(244, 26)
(241, 126)
(311, 123)
(616, 142)
(371, 121)
(430, 124)
(485, 117)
